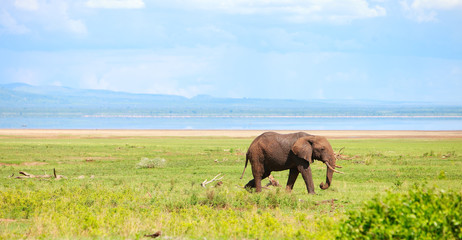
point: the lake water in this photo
(237, 123)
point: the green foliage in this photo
(419, 214)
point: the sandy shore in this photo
(334, 134)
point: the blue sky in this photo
(409, 50)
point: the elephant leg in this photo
(258, 180)
(293, 174)
(305, 170)
(257, 184)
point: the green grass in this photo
(116, 199)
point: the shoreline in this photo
(129, 133)
(268, 116)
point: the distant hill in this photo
(19, 99)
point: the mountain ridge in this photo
(24, 99)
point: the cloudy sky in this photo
(293, 49)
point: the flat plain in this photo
(126, 184)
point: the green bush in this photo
(418, 214)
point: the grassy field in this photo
(109, 192)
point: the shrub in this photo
(418, 214)
(151, 163)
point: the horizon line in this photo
(267, 116)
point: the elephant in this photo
(295, 151)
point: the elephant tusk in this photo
(332, 168)
(337, 166)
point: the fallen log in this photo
(28, 175)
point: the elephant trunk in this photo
(330, 172)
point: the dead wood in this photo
(339, 153)
(330, 201)
(57, 177)
(273, 182)
(28, 175)
(340, 156)
(154, 235)
(205, 182)
(346, 157)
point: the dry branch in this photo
(273, 182)
(28, 175)
(57, 176)
(340, 156)
(331, 201)
(154, 235)
(205, 182)
(339, 153)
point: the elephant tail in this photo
(246, 161)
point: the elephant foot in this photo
(324, 186)
(250, 184)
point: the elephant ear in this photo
(302, 148)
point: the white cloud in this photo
(144, 72)
(29, 5)
(54, 16)
(427, 10)
(292, 10)
(9, 25)
(33, 16)
(130, 4)
(437, 4)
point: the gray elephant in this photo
(276, 152)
